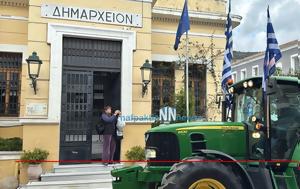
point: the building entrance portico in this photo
(91, 80)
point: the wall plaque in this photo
(91, 15)
(36, 109)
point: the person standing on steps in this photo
(120, 124)
(109, 141)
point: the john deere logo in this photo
(167, 114)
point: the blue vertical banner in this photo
(184, 25)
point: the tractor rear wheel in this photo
(201, 175)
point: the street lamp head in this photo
(34, 66)
(146, 71)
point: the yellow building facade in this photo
(99, 44)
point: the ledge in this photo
(10, 155)
(9, 122)
(209, 18)
(38, 121)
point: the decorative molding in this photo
(38, 121)
(164, 58)
(293, 64)
(10, 155)
(253, 68)
(15, 48)
(9, 17)
(55, 38)
(9, 122)
(195, 34)
(15, 3)
(207, 18)
(246, 75)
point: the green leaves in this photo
(181, 102)
(35, 156)
(136, 153)
(11, 144)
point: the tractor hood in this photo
(197, 126)
(177, 141)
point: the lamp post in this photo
(34, 66)
(146, 71)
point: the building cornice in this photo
(193, 34)
(208, 18)
(15, 3)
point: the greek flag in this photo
(273, 53)
(228, 55)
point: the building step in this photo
(69, 176)
(75, 184)
(85, 168)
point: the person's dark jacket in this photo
(109, 123)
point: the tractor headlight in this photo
(250, 83)
(253, 119)
(150, 153)
(256, 135)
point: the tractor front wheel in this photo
(197, 174)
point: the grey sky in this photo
(251, 34)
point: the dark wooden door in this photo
(76, 115)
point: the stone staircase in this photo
(80, 176)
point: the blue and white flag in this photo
(273, 53)
(184, 25)
(228, 55)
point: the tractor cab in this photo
(284, 115)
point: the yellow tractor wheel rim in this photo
(207, 184)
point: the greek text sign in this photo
(36, 109)
(91, 15)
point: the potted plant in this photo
(136, 153)
(33, 159)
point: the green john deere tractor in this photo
(242, 154)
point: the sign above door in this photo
(91, 15)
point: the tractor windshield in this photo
(285, 120)
(248, 103)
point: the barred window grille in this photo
(197, 80)
(10, 74)
(163, 85)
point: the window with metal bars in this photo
(10, 75)
(197, 81)
(163, 85)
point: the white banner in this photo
(91, 15)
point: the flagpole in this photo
(187, 76)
